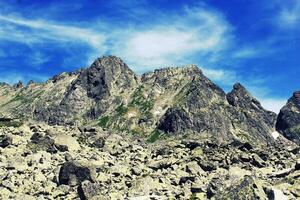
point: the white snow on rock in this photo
(278, 194)
(275, 135)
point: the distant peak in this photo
(239, 86)
(18, 85)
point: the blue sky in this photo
(253, 42)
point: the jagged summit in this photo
(241, 97)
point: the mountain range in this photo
(170, 101)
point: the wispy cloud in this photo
(194, 35)
(41, 30)
(264, 95)
(225, 77)
(289, 16)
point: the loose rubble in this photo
(96, 164)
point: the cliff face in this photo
(171, 101)
(288, 122)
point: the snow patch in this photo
(275, 135)
(278, 195)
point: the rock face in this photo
(249, 116)
(94, 90)
(288, 122)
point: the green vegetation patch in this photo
(138, 100)
(154, 136)
(103, 122)
(121, 110)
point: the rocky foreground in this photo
(55, 162)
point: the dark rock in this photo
(5, 141)
(72, 174)
(257, 161)
(297, 165)
(88, 190)
(195, 189)
(191, 144)
(207, 165)
(185, 179)
(61, 147)
(175, 120)
(41, 142)
(288, 121)
(36, 137)
(246, 147)
(99, 143)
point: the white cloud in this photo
(41, 30)
(273, 104)
(289, 16)
(37, 59)
(264, 95)
(174, 42)
(226, 77)
(245, 53)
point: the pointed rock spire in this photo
(240, 97)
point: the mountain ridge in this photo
(171, 101)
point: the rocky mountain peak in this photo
(241, 97)
(105, 74)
